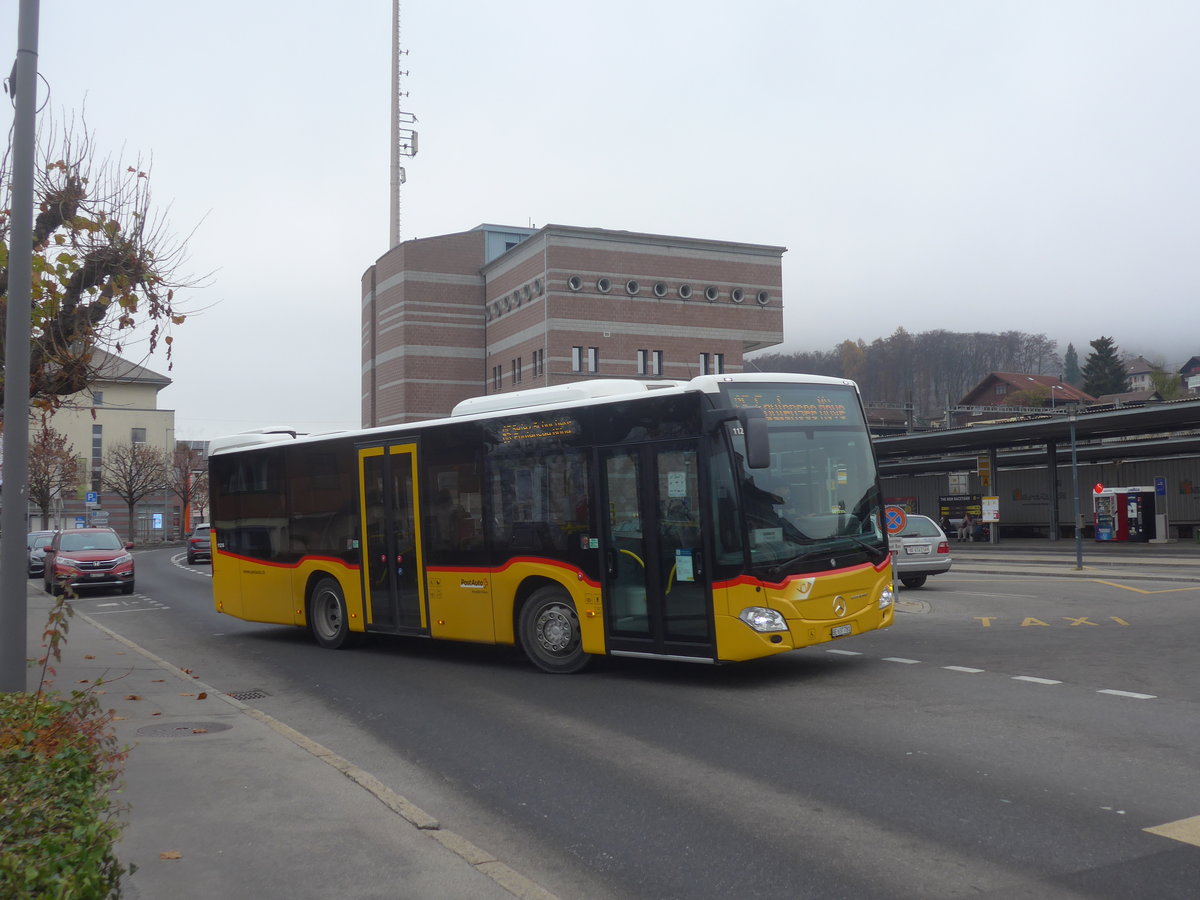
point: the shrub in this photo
(58, 763)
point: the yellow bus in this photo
(726, 518)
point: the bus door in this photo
(393, 583)
(657, 596)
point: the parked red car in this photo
(88, 558)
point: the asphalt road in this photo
(1009, 737)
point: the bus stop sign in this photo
(894, 519)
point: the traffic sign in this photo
(894, 519)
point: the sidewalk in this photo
(224, 801)
(1170, 561)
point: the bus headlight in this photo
(885, 598)
(762, 619)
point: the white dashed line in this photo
(970, 670)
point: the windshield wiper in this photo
(877, 552)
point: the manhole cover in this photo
(252, 694)
(182, 729)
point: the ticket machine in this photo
(1124, 514)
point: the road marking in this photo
(845, 652)
(1185, 830)
(1126, 587)
(1129, 694)
(969, 671)
(1031, 678)
(901, 659)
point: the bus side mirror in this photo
(754, 429)
(753, 422)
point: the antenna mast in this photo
(404, 135)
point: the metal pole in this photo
(1075, 484)
(13, 521)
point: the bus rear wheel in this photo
(327, 615)
(549, 629)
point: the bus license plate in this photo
(841, 630)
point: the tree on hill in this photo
(1071, 367)
(1169, 385)
(1103, 371)
(104, 264)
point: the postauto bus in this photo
(726, 518)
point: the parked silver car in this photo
(920, 550)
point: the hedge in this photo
(59, 762)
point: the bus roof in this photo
(579, 393)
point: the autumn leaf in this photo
(170, 854)
(132, 697)
(203, 695)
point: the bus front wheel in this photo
(550, 635)
(327, 615)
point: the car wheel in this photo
(127, 588)
(549, 629)
(328, 617)
(53, 588)
(913, 581)
(191, 560)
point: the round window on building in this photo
(685, 292)
(604, 285)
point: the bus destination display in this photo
(800, 407)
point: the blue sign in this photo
(1160, 486)
(92, 497)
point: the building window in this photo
(97, 455)
(497, 374)
(576, 359)
(649, 362)
(97, 398)
(718, 363)
(539, 362)
(517, 365)
(137, 435)
(1001, 389)
(704, 364)
(593, 359)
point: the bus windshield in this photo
(818, 504)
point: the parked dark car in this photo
(35, 545)
(88, 558)
(199, 544)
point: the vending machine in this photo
(1125, 514)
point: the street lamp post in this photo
(1075, 487)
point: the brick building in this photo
(497, 309)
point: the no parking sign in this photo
(894, 519)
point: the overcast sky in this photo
(961, 165)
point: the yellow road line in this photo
(1186, 830)
(1141, 591)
